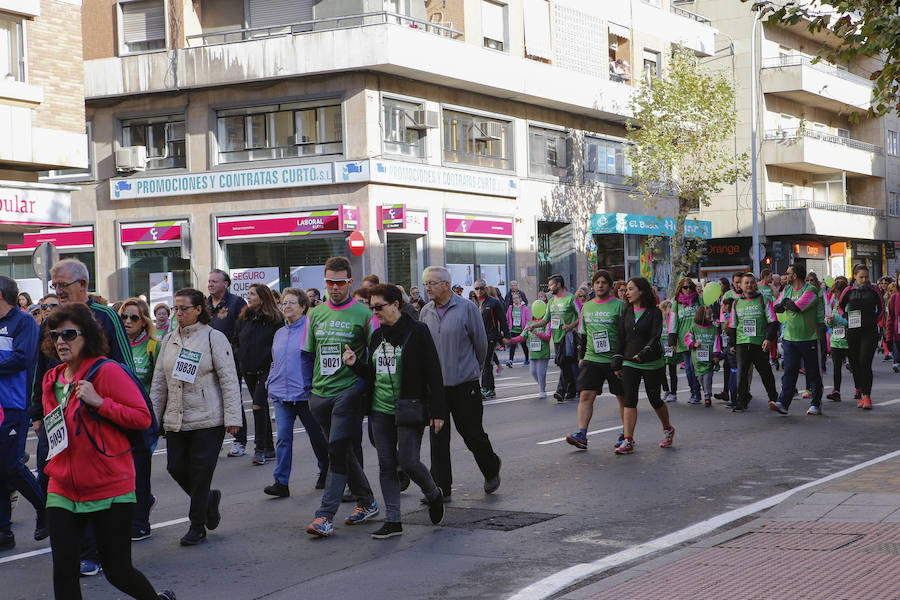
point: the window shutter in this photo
(492, 21)
(143, 21)
(266, 13)
(537, 28)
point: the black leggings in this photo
(113, 531)
(861, 352)
(838, 356)
(672, 384)
(262, 419)
(512, 351)
(631, 382)
(748, 355)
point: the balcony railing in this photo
(824, 67)
(832, 206)
(318, 25)
(690, 15)
(788, 134)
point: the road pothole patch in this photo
(482, 518)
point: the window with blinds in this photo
(142, 26)
(493, 24)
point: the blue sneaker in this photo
(778, 407)
(814, 410)
(490, 393)
(89, 568)
(362, 514)
(694, 400)
(528, 362)
(321, 527)
(577, 439)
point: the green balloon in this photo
(538, 309)
(711, 292)
(829, 280)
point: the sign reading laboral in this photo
(222, 181)
(463, 225)
(35, 204)
(343, 218)
(441, 178)
(163, 232)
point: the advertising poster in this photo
(242, 279)
(161, 289)
(495, 275)
(463, 275)
(309, 277)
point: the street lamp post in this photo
(754, 249)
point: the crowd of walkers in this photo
(100, 384)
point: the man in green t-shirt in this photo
(334, 395)
(562, 314)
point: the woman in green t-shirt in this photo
(139, 328)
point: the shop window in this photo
(142, 26)
(604, 161)
(144, 261)
(477, 259)
(12, 49)
(163, 137)
(893, 143)
(894, 204)
(19, 266)
(547, 152)
(478, 141)
(493, 25)
(404, 132)
(404, 259)
(284, 254)
(76, 174)
(619, 53)
(290, 130)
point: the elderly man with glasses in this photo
(462, 345)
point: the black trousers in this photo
(512, 350)
(862, 343)
(464, 404)
(672, 385)
(838, 356)
(112, 528)
(487, 369)
(142, 467)
(191, 461)
(747, 355)
(262, 418)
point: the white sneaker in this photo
(237, 449)
(542, 395)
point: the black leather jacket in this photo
(639, 338)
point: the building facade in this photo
(254, 135)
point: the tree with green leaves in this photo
(868, 28)
(682, 121)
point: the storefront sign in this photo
(647, 225)
(866, 249)
(462, 225)
(301, 223)
(242, 279)
(809, 250)
(441, 178)
(349, 218)
(728, 249)
(69, 238)
(222, 181)
(35, 204)
(351, 171)
(164, 232)
(392, 216)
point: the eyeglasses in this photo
(377, 307)
(432, 283)
(134, 318)
(66, 334)
(479, 287)
(687, 287)
(337, 282)
(48, 306)
(290, 303)
(61, 285)
(177, 308)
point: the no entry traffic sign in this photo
(357, 243)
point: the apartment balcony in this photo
(819, 85)
(676, 25)
(380, 42)
(817, 152)
(815, 217)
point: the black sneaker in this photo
(270, 454)
(320, 480)
(138, 533)
(277, 489)
(404, 479)
(7, 540)
(559, 397)
(166, 595)
(388, 530)
(491, 484)
(721, 396)
(194, 536)
(213, 516)
(444, 495)
(41, 531)
(436, 509)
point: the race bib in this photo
(186, 365)
(601, 341)
(670, 352)
(748, 326)
(57, 435)
(702, 355)
(329, 359)
(554, 322)
(386, 364)
(838, 333)
(534, 344)
(517, 320)
(855, 319)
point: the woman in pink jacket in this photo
(892, 324)
(518, 316)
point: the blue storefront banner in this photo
(647, 225)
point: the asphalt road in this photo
(556, 506)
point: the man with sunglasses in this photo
(495, 326)
(18, 345)
(334, 326)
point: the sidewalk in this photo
(839, 540)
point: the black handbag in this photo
(408, 412)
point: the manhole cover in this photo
(892, 548)
(481, 518)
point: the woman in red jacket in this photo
(892, 324)
(91, 471)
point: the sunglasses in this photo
(66, 334)
(479, 287)
(48, 306)
(135, 318)
(377, 307)
(337, 282)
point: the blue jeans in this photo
(339, 416)
(285, 415)
(539, 371)
(794, 354)
(13, 474)
(693, 382)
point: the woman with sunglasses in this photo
(404, 364)
(681, 319)
(88, 486)
(253, 334)
(140, 331)
(196, 397)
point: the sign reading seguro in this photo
(242, 279)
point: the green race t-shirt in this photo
(144, 359)
(515, 325)
(702, 357)
(329, 329)
(684, 318)
(751, 317)
(537, 348)
(562, 312)
(599, 323)
(802, 326)
(387, 362)
(838, 330)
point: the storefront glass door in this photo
(404, 260)
(144, 261)
(285, 254)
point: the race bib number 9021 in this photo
(329, 359)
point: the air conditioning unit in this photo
(486, 131)
(131, 158)
(424, 119)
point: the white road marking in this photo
(887, 402)
(227, 441)
(558, 581)
(562, 439)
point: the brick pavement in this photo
(840, 540)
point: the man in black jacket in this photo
(496, 327)
(514, 287)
